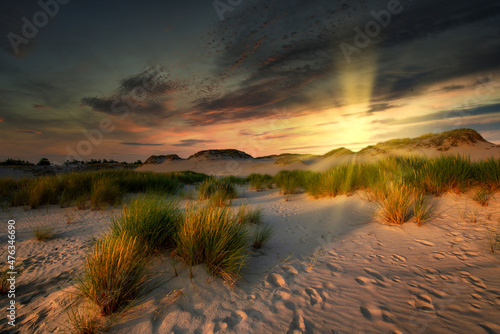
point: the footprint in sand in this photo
(460, 255)
(490, 328)
(335, 267)
(477, 282)
(422, 302)
(424, 242)
(282, 294)
(363, 281)
(370, 311)
(276, 279)
(298, 324)
(438, 256)
(398, 258)
(373, 312)
(314, 297)
(374, 273)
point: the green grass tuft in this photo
(218, 191)
(114, 272)
(261, 236)
(105, 192)
(395, 206)
(213, 236)
(42, 233)
(151, 220)
(246, 215)
(482, 196)
(423, 209)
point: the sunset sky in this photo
(128, 79)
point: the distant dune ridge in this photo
(220, 155)
(158, 159)
(464, 142)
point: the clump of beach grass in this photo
(4, 276)
(493, 238)
(84, 319)
(445, 174)
(395, 206)
(218, 191)
(487, 173)
(482, 196)
(262, 234)
(213, 236)
(44, 190)
(114, 272)
(246, 215)
(151, 219)
(423, 209)
(105, 192)
(259, 182)
(290, 182)
(468, 215)
(42, 233)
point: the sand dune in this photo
(330, 268)
(462, 142)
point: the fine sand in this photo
(330, 267)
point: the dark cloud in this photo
(278, 61)
(145, 97)
(141, 144)
(452, 88)
(192, 142)
(380, 107)
(151, 82)
(41, 106)
(246, 133)
(446, 114)
(30, 132)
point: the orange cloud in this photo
(29, 132)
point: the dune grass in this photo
(213, 236)
(493, 238)
(151, 220)
(291, 182)
(445, 174)
(42, 233)
(101, 188)
(220, 192)
(423, 209)
(482, 196)
(105, 192)
(4, 284)
(84, 319)
(246, 215)
(487, 173)
(114, 272)
(262, 234)
(395, 206)
(259, 182)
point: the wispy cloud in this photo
(192, 142)
(30, 132)
(41, 106)
(141, 144)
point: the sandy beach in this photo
(329, 268)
